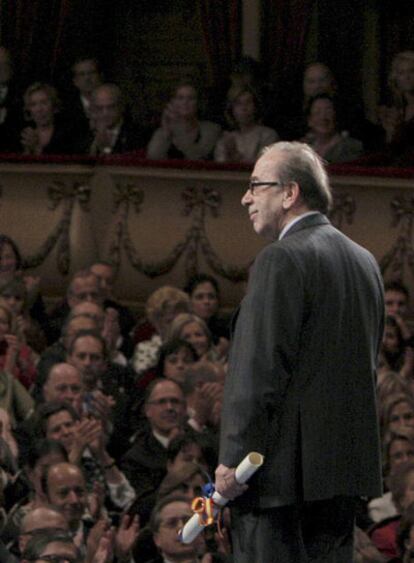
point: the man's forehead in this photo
(87, 281)
(165, 389)
(174, 509)
(88, 343)
(64, 371)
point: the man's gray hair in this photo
(301, 164)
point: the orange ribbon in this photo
(204, 508)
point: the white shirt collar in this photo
(163, 440)
(287, 227)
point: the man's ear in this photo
(291, 195)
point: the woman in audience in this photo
(204, 293)
(324, 135)
(247, 136)
(175, 356)
(396, 413)
(85, 442)
(11, 264)
(398, 119)
(195, 331)
(182, 134)
(44, 134)
(14, 294)
(16, 357)
(187, 480)
(161, 308)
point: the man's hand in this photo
(226, 483)
(126, 536)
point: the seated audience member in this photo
(396, 354)
(175, 356)
(161, 307)
(84, 440)
(182, 134)
(11, 264)
(390, 384)
(398, 448)
(57, 352)
(33, 460)
(167, 518)
(107, 386)
(106, 276)
(319, 79)
(398, 120)
(16, 358)
(10, 107)
(397, 299)
(111, 131)
(14, 294)
(145, 462)
(396, 413)
(247, 137)
(86, 77)
(204, 293)
(384, 534)
(45, 132)
(324, 135)
(84, 286)
(187, 480)
(185, 448)
(51, 545)
(39, 520)
(195, 331)
(64, 383)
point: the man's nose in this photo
(247, 198)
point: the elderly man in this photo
(146, 462)
(65, 489)
(113, 132)
(301, 381)
(64, 383)
(50, 545)
(84, 286)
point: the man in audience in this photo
(84, 286)
(65, 489)
(145, 463)
(396, 299)
(64, 383)
(113, 132)
(39, 519)
(86, 76)
(108, 386)
(105, 273)
(51, 546)
(167, 518)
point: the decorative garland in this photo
(402, 251)
(196, 203)
(59, 193)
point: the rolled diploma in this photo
(244, 471)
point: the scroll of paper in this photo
(244, 471)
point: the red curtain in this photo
(221, 23)
(285, 26)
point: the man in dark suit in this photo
(301, 381)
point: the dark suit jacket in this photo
(301, 381)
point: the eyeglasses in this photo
(253, 185)
(174, 523)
